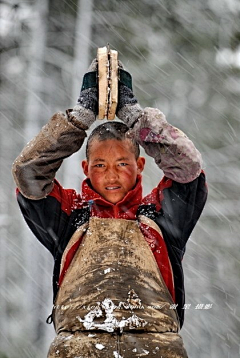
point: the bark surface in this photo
(113, 301)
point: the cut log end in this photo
(107, 82)
(103, 70)
(113, 84)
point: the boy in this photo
(117, 275)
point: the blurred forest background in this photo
(184, 56)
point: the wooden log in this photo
(114, 302)
(103, 74)
(126, 345)
(113, 85)
(107, 82)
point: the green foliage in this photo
(3, 355)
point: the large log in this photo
(113, 301)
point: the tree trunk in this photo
(37, 260)
(72, 177)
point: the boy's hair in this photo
(111, 130)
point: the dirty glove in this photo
(128, 109)
(87, 105)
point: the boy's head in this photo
(113, 161)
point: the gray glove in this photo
(86, 109)
(128, 109)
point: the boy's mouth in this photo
(112, 187)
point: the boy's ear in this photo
(140, 164)
(85, 167)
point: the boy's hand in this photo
(128, 109)
(87, 105)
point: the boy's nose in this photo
(111, 174)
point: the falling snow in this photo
(99, 346)
(184, 60)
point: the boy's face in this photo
(112, 168)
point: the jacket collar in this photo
(125, 208)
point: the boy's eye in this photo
(99, 165)
(123, 164)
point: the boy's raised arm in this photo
(171, 149)
(34, 169)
